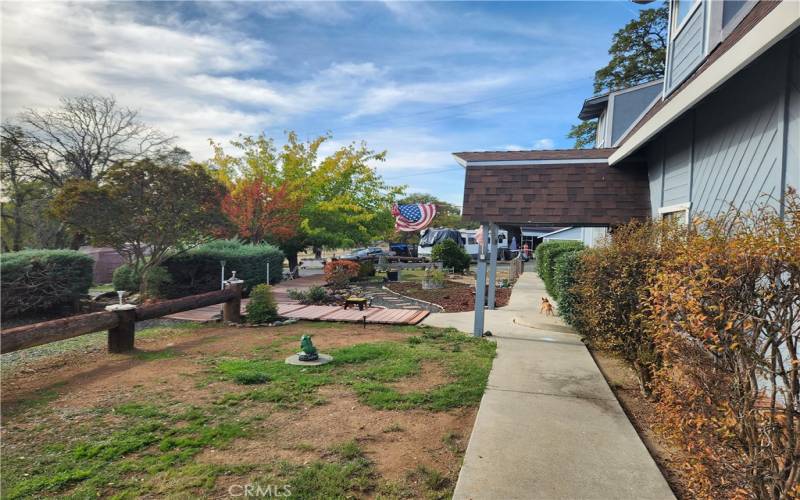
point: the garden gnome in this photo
(309, 351)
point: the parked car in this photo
(364, 254)
(403, 249)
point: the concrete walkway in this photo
(548, 426)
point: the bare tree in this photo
(81, 139)
(13, 177)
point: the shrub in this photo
(546, 254)
(725, 305)
(127, 278)
(565, 274)
(366, 269)
(198, 270)
(612, 293)
(262, 307)
(437, 277)
(316, 295)
(451, 255)
(338, 273)
(36, 280)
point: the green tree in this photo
(344, 202)
(24, 202)
(584, 133)
(638, 52)
(144, 210)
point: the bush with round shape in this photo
(338, 273)
(198, 270)
(127, 278)
(451, 255)
(38, 280)
(262, 307)
(316, 295)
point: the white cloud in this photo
(544, 144)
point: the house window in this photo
(681, 10)
(679, 213)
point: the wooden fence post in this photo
(231, 311)
(121, 337)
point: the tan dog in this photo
(546, 307)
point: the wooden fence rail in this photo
(120, 321)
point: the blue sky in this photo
(420, 80)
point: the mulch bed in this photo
(454, 297)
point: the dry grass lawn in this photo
(204, 411)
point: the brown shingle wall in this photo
(559, 195)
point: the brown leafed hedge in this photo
(709, 316)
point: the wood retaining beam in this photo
(119, 320)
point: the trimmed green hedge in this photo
(198, 270)
(37, 280)
(451, 255)
(565, 275)
(546, 253)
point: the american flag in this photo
(413, 217)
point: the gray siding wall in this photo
(793, 118)
(738, 145)
(677, 163)
(686, 50)
(628, 106)
(739, 141)
(655, 170)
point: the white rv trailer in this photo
(471, 246)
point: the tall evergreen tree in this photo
(638, 52)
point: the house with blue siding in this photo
(724, 133)
(720, 130)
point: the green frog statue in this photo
(309, 351)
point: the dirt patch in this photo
(431, 375)
(454, 297)
(100, 376)
(643, 414)
(176, 369)
(396, 441)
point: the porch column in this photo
(492, 266)
(480, 285)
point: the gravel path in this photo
(389, 299)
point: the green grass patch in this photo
(370, 369)
(150, 440)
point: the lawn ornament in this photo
(309, 351)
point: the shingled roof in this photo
(555, 194)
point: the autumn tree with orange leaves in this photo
(296, 198)
(261, 212)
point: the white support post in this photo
(480, 286)
(492, 265)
